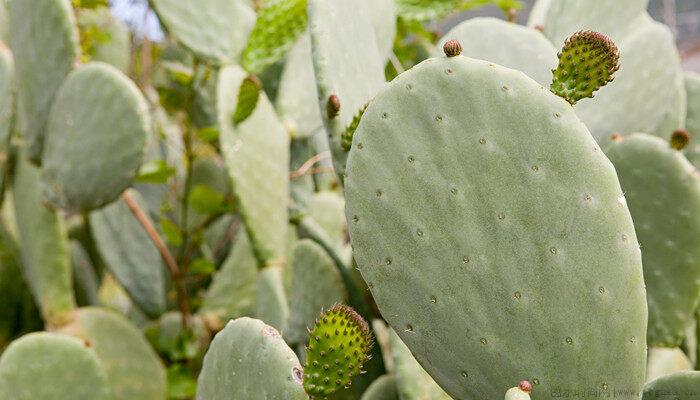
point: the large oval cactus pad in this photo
(682, 386)
(494, 234)
(95, 138)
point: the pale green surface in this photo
(256, 152)
(214, 29)
(43, 244)
(44, 40)
(692, 121)
(382, 15)
(682, 386)
(95, 138)
(271, 305)
(248, 360)
(471, 187)
(507, 44)
(51, 366)
(116, 48)
(7, 106)
(412, 381)
(347, 63)
(130, 255)
(328, 209)
(663, 193)
(666, 360)
(383, 388)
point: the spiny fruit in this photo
(586, 63)
(679, 139)
(339, 344)
(346, 137)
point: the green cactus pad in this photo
(130, 255)
(664, 361)
(249, 360)
(692, 121)
(7, 107)
(44, 41)
(506, 44)
(328, 209)
(213, 29)
(257, 158)
(680, 386)
(232, 291)
(339, 344)
(95, 138)
(347, 64)
(271, 305)
(443, 151)
(279, 24)
(586, 63)
(316, 285)
(50, 366)
(425, 10)
(411, 379)
(104, 38)
(44, 246)
(383, 388)
(297, 99)
(663, 192)
(382, 15)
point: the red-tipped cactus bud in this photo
(333, 106)
(520, 392)
(586, 63)
(525, 386)
(452, 48)
(679, 139)
(616, 137)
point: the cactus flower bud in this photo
(520, 392)
(679, 139)
(333, 106)
(452, 48)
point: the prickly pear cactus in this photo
(412, 382)
(95, 138)
(7, 107)
(339, 345)
(507, 44)
(692, 121)
(104, 38)
(271, 305)
(42, 30)
(664, 361)
(347, 64)
(663, 193)
(207, 28)
(520, 392)
(249, 360)
(383, 388)
(682, 386)
(442, 151)
(382, 15)
(44, 246)
(49, 366)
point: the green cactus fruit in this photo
(412, 381)
(7, 108)
(347, 65)
(692, 121)
(271, 305)
(506, 44)
(520, 392)
(277, 28)
(680, 386)
(41, 30)
(586, 63)
(249, 360)
(655, 176)
(133, 369)
(633, 102)
(130, 255)
(382, 15)
(95, 138)
(339, 345)
(248, 96)
(256, 152)
(50, 366)
(316, 285)
(104, 38)
(664, 361)
(439, 152)
(44, 246)
(206, 27)
(232, 291)
(383, 388)
(297, 99)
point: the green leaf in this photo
(172, 232)
(202, 266)
(279, 25)
(181, 383)
(156, 171)
(425, 10)
(205, 200)
(247, 99)
(210, 134)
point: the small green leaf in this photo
(205, 200)
(279, 25)
(210, 134)
(202, 266)
(426, 10)
(172, 232)
(248, 96)
(156, 171)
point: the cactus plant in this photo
(664, 361)
(104, 38)
(508, 191)
(682, 386)
(412, 382)
(692, 121)
(7, 105)
(383, 388)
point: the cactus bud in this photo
(586, 63)
(339, 344)
(346, 137)
(248, 96)
(680, 139)
(333, 106)
(452, 48)
(520, 392)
